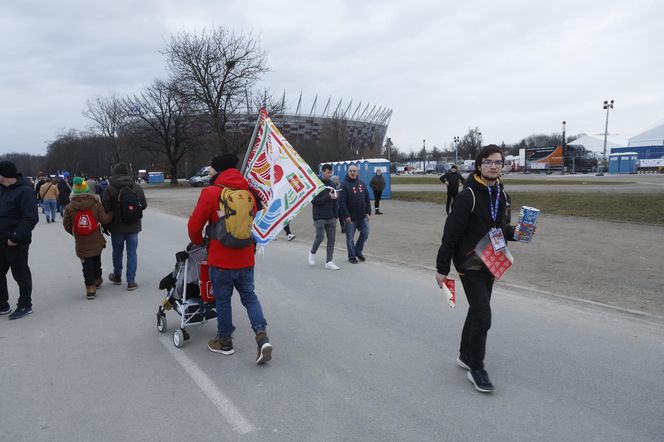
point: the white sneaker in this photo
(331, 266)
(291, 237)
(312, 259)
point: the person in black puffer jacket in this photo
(325, 213)
(18, 217)
(470, 220)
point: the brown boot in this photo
(90, 291)
(264, 351)
(99, 281)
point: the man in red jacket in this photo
(229, 267)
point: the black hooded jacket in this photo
(466, 226)
(18, 211)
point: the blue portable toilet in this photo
(614, 163)
(366, 170)
(155, 177)
(628, 162)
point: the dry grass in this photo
(645, 208)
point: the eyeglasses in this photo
(497, 163)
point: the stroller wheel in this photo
(178, 338)
(161, 323)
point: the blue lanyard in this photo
(494, 207)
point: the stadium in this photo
(351, 127)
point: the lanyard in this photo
(494, 208)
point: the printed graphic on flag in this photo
(283, 181)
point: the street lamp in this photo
(456, 150)
(607, 105)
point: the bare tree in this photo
(216, 68)
(471, 144)
(109, 116)
(162, 121)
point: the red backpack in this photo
(85, 223)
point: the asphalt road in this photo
(362, 354)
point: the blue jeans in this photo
(223, 282)
(355, 249)
(50, 208)
(118, 241)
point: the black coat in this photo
(452, 179)
(64, 191)
(18, 211)
(466, 226)
(377, 183)
(354, 199)
(323, 206)
(111, 203)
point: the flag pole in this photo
(251, 144)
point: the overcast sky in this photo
(511, 68)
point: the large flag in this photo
(284, 182)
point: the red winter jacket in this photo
(206, 212)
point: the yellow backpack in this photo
(236, 218)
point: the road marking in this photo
(240, 424)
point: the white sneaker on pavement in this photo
(291, 237)
(312, 259)
(330, 265)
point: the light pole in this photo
(562, 166)
(607, 105)
(456, 151)
(424, 152)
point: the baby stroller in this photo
(189, 293)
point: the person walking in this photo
(325, 214)
(40, 203)
(452, 178)
(230, 267)
(82, 219)
(482, 208)
(377, 184)
(356, 209)
(126, 200)
(18, 217)
(64, 190)
(49, 194)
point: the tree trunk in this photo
(174, 174)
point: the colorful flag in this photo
(284, 182)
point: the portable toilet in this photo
(366, 170)
(614, 163)
(628, 162)
(156, 177)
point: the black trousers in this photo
(16, 259)
(378, 194)
(478, 286)
(451, 194)
(91, 269)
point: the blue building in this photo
(648, 145)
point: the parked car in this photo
(202, 178)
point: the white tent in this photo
(595, 143)
(651, 137)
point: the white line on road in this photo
(240, 424)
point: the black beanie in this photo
(120, 169)
(223, 162)
(8, 169)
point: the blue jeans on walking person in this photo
(223, 282)
(118, 241)
(356, 249)
(50, 208)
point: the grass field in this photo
(512, 181)
(645, 208)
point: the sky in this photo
(510, 68)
